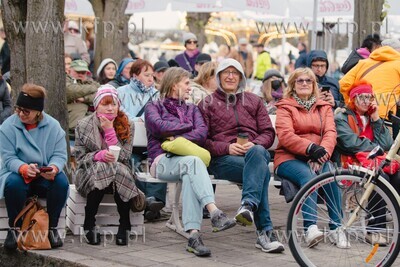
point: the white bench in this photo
(174, 222)
(4, 219)
(107, 217)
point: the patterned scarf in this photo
(177, 108)
(141, 86)
(307, 104)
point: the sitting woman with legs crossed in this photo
(170, 118)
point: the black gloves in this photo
(316, 152)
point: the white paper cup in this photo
(115, 151)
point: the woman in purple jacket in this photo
(167, 119)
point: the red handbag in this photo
(392, 168)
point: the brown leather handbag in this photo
(34, 231)
(138, 203)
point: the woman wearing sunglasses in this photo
(187, 59)
(307, 136)
(33, 155)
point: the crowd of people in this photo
(318, 121)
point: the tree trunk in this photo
(14, 18)
(197, 23)
(367, 17)
(111, 30)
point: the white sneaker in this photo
(313, 236)
(339, 238)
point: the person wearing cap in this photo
(187, 59)
(245, 57)
(123, 76)
(200, 60)
(272, 88)
(106, 71)
(360, 129)
(230, 111)
(317, 61)
(382, 70)
(306, 131)
(263, 62)
(73, 43)
(99, 170)
(30, 139)
(80, 93)
(159, 70)
(204, 84)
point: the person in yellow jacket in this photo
(382, 71)
(263, 62)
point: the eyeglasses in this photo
(301, 81)
(226, 73)
(365, 98)
(318, 66)
(18, 110)
(191, 42)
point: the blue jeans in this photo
(157, 190)
(16, 191)
(197, 190)
(252, 171)
(299, 173)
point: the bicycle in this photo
(366, 198)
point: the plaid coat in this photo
(92, 174)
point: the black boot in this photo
(11, 240)
(124, 227)
(93, 237)
(54, 238)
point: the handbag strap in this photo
(371, 68)
(32, 202)
(142, 109)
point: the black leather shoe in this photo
(93, 237)
(151, 215)
(54, 238)
(153, 204)
(11, 240)
(122, 236)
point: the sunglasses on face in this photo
(301, 81)
(18, 110)
(191, 42)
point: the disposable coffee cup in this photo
(115, 151)
(242, 138)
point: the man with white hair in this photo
(240, 132)
(73, 43)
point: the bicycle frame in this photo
(374, 176)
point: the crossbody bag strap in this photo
(142, 109)
(187, 62)
(371, 68)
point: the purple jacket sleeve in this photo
(265, 129)
(160, 128)
(199, 133)
(216, 148)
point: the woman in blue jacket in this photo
(31, 139)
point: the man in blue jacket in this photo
(318, 62)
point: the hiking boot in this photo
(11, 240)
(220, 221)
(245, 215)
(196, 246)
(93, 237)
(54, 238)
(313, 236)
(152, 204)
(268, 242)
(339, 238)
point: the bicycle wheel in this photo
(379, 216)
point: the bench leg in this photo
(174, 223)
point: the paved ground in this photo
(163, 247)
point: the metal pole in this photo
(314, 26)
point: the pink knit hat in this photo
(105, 90)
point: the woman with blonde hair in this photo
(204, 84)
(169, 118)
(307, 137)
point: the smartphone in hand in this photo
(45, 169)
(325, 89)
(371, 110)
